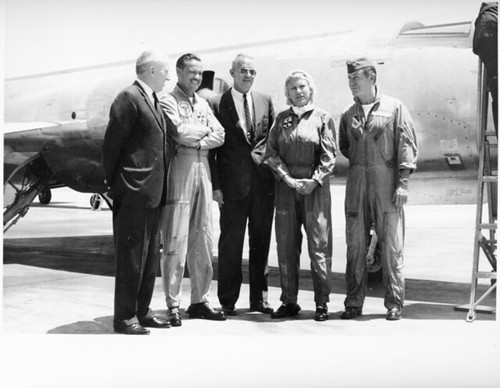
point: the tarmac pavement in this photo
(58, 279)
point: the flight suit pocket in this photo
(384, 139)
(353, 191)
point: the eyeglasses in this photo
(252, 72)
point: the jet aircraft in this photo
(55, 122)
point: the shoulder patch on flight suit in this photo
(357, 127)
(355, 123)
(184, 109)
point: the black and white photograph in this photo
(249, 193)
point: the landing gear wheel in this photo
(96, 201)
(45, 196)
(471, 316)
(22, 185)
(374, 267)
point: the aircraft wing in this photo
(40, 155)
(16, 152)
(22, 127)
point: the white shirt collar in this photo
(239, 95)
(147, 89)
(299, 111)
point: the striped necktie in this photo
(248, 119)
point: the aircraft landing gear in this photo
(96, 201)
(373, 261)
(374, 268)
(45, 196)
(21, 187)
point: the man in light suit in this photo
(135, 158)
(243, 186)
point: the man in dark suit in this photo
(135, 157)
(243, 186)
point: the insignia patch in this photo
(185, 109)
(355, 123)
(287, 123)
(201, 117)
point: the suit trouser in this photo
(258, 208)
(313, 211)
(389, 226)
(187, 225)
(137, 250)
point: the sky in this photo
(49, 35)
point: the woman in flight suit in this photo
(301, 151)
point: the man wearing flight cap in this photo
(377, 135)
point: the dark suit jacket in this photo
(135, 152)
(237, 164)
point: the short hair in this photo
(146, 59)
(239, 57)
(183, 59)
(299, 74)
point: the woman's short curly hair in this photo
(302, 75)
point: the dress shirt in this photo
(240, 108)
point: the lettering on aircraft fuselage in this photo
(458, 192)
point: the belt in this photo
(191, 151)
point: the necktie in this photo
(158, 109)
(248, 119)
(157, 103)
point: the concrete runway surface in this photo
(58, 279)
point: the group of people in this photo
(166, 160)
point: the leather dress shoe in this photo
(393, 314)
(286, 310)
(351, 312)
(133, 328)
(229, 310)
(155, 322)
(174, 316)
(262, 307)
(321, 312)
(204, 311)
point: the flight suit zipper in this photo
(297, 143)
(365, 139)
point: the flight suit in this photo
(378, 147)
(187, 233)
(303, 147)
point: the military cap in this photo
(357, 64)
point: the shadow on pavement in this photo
(94, 255)
(102, 325)
(414, 311)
